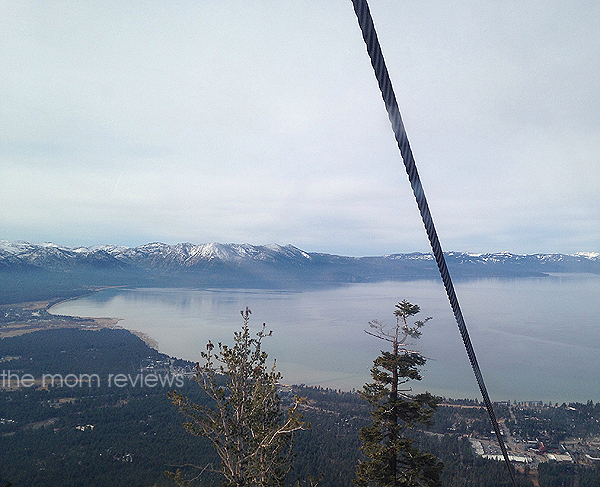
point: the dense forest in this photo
(103, 435)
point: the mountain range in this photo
(56, 267)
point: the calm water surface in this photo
(535, 338)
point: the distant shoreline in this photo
(34, 322)
(91, 291)
(529, 365)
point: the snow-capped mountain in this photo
(183, 256)
(153, 255)
(187, 255)
(25, 265)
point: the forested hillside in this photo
(127, 433)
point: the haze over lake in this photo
(535, 338)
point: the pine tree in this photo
(391, 458)
(245, 422)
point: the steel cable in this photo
(367, 27)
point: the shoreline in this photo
(33, 321)
(56, 301)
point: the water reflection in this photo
(536, 339)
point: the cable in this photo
(365, 21)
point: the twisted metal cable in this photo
(367, 27)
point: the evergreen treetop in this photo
(391, 458)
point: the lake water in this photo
(535, 338)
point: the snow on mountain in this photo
(42, 255)
(588, 255)
(188, 257)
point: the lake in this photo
(535, 338)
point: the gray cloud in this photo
(261, 122)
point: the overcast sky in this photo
(261, 122)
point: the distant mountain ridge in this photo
(149, 256)
(244, 265)
(181, 256)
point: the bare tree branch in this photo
(245, 422)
